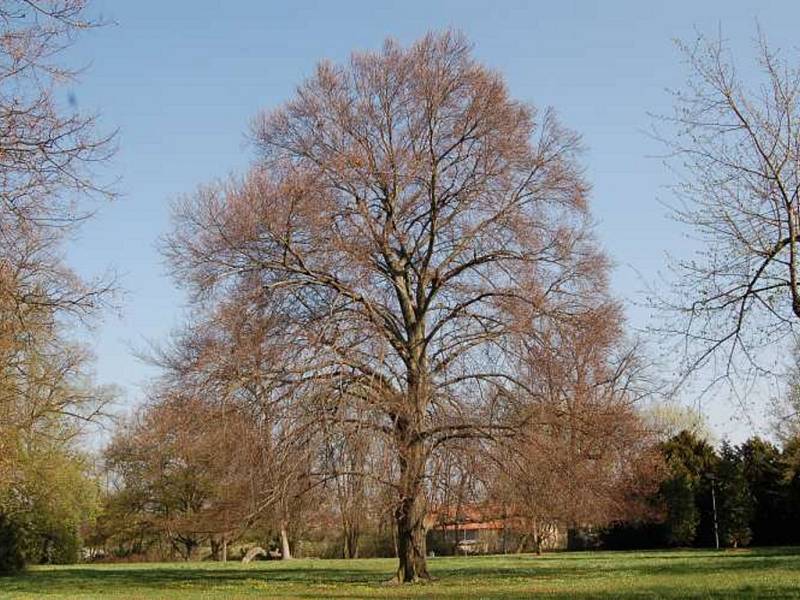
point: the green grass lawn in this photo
(759, 573)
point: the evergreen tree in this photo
(791, 461)
(682, 515)
(734, 500)
(765, 471)
(686, 494)
(12, 553)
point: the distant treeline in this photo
(755, 486)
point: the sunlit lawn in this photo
(760, 573)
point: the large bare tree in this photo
(411, 229)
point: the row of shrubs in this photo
(24, 541)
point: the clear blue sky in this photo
(181, 79)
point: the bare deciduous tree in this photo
(737, 151)
(785, 407)
(223, 359)
(584, 456)
(346, 461)
(49, 156)
(410, 228)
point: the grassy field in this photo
(759, 573)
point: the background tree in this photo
(666, 419)
(791, 458)
(226, 358)
(164, 480)
(346, 460)
(734, 499)
(411, 228)
(190, 473)
(682, 516)
(586, 458)
(686, 492)
(764, 469)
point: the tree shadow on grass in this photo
(94, 580)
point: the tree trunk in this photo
(413, 456)
(225, 549)
(286, 552)
(537, 539)
(393, 529)
(351, 533)
(254, 553)
(411, 543)
(410, 516)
